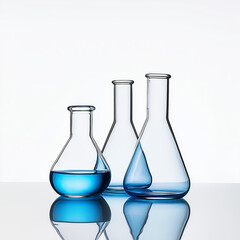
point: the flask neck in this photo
(157, 98)
(123, 101)
(81, 124)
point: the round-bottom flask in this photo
(80, 169)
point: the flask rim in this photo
(158, 76)
(81, 108)
(122, 82)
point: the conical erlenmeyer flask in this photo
(156, 169)
(80, 169)
(156, 219)
(122, 137)
(76, 219)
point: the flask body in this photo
(161, 173)
(80, 169)
(122, 137)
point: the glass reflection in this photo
(118, 228)
(156, 219)
(80, 218)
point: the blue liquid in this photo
(138, 181)
(159, 191)
(138, 173)
(80, 183)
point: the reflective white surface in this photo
(24, 213)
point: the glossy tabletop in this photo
(30, 211)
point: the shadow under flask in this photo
(157, 170)
(80, 169)
(122, 137)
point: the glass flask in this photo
(157, 170)
(80, 218)
(156, 219)
(122, 137)
(80, 169)
(118, 228)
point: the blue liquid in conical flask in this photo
(138, 175)
(138, 181)
(80, 183)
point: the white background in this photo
(55, 53)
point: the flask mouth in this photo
(158, 76)
(122, 82)
(81, 108)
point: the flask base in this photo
(115, 189)
(156, 194)
(170, 190)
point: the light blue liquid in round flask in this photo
(80, 169)
(157, 170)
(80, 182)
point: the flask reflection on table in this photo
(118, 228)
(80, 218)
(156, 219)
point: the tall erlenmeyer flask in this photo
(79, 218)
(122, 137)
(161, 174)
(80, 169)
